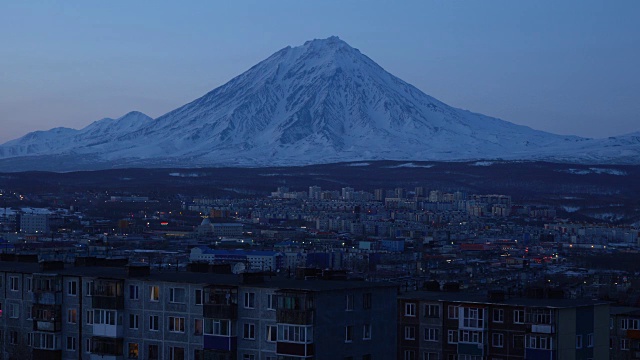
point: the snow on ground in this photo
(595, 170)
(177, 174)
(482, 163)
(410, 165)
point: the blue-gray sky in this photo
(569, 67)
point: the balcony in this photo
(106, 357)
(218, 355)
(107, 302)
(220, 311)
(298, 317)
(47, 297)
(220, 343)
(46, 318)
(108, 294)
(42, 354)
(294, 349)
(106, 348)
(220, 302)
(108, 330)
(542, 328)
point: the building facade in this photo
(458, 326)
(54, 311)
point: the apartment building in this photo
(453, 325)
(55, 311)
(624, 326)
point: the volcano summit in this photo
(321, 102)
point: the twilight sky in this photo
(568, 67)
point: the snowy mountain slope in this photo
(65, 140)
(320, 102)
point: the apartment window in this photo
(249, 300)
(14, 283)
(409, 355)
(133, 350)
(197, 327)
(473, 317)
(497, 340)
(134, 292)
(518, 316)
(154, 293)
(217, 327)
(578, 341)
(430, 356)
(295, 333)
(46, 341)
(366, 332)
(249, 332)
(431, 334)
(14, 311)
(176, 353)
(349, 302)
(498, 315)
(13, 337)
(590, 340)
(470, 336)
(452, 337)
(409, 333)
(29, 338)
(271, 302)
(541, 342)
(154, 322)
(199, 296)
(72, 288)
(89, 288)
(432, 311)
(89, 317)
(541, 316)
(366, 301)
(133, 321)
(153, 352)
(453, 311)
(177, 295)
(409, 309)
(107, 317)
(176, 324)
(248, 357)
(28, 284)
(348, 333)
(72, 316)
(624, 344)
(71, 343)
(29, 312)
(272, 333)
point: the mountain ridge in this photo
(320, 102)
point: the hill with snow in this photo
(321, 102)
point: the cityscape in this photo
(319, 180)
(394, 273)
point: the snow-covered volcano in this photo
(320, 102)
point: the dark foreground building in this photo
(54, 311)
(458, 326)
